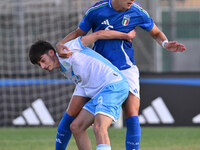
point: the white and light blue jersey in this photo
(88, 69)
(102, 16)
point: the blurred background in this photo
(31, 96)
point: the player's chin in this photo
(49, 69)
(128, 7)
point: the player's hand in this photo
(174, 46)
(131, 35)
(60, 49)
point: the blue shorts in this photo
(109, 100)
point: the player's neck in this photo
(116, 5)
(57, 63)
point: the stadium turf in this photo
(153, 138)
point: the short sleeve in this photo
(147, 22)
(85, 24)
(75, 45)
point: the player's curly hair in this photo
(39, 48)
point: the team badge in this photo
(126, 20)
(66, 65)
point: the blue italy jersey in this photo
(102, 16)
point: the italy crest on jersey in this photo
(126, 20)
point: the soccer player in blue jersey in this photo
(95, 78)
(124, 16)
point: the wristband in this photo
(163, 43)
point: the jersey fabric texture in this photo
(101, 16)
(88, 69)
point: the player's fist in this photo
(131, 35)
(60, 48)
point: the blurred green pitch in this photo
(153, 138)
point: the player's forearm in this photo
(160, 38)
(103, 34)
(111, 34)
(158, 35)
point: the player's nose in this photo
(42, 65)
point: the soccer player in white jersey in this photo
(124, 16)
(95, 77)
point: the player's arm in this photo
(60, 45)
(160, 37)
(107, 34)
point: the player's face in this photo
(48, 62)
(125, 4)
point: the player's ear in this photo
(51, 52)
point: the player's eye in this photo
(42, 60)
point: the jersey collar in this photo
(109, 2)
(62, 69)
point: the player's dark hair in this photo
(39, 48)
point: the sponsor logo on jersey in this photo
(106, 22)
(115, 74)
(126, 20)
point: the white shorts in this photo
(131, 75)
